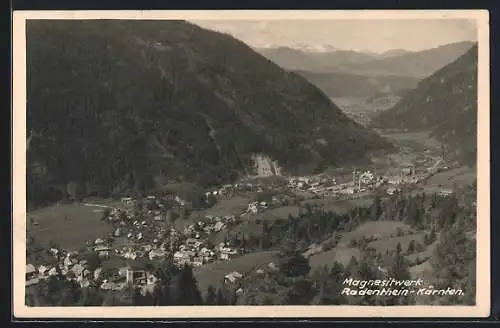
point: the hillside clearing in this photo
(389, 244)
(213, 273)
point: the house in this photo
(151, 279)
(129, 201)
(78, 270)
(383, 270)
(272, 266)
(219, 226)
(53, 272)
(54, 251)
(156, 253)
(136, 273)
(31, 275)
(32, 282)
(445, 192)
(232, 277)
(191, 241)
(98, 273)
(392, 191)
(181, 257)
(103, 251)
(30, 272)
(84, 283)
(180, 201)
(395, 180)
(42, 270)
(226, 253)
(107, 285)
(198, 261)
(67, 262)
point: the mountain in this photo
(445, 103)
(397, 62)
(418, 64)
(314, 61)
(352, 85)
(121, 106)
(393, 53)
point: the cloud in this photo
(373, 35)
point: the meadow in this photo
(67, 225)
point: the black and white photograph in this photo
(223, 163)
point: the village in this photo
(143, 232)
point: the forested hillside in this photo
(115, 106)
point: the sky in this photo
(356, 34)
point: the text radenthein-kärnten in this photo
(427, 291)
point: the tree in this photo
(399, 249)
(93, 260)
(211, 296)
(411, 246)
(399, 271)
(294, 265)
(184, 213)
(169, 217)
(74, 190)
(90, 297)
(189, 293)
(221, 298)
(376, 208)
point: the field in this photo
(340, 206)
(380, 228)
(104, 202)
(213, 273)
(459, 176)
(226, 207)
(68, 225)
(341, 255)
(412, 139)
(276, 213)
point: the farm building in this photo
(232, 277)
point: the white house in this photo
(233, 277)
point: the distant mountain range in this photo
(397, 62)
(117, 106)
(315, 61)
(342, 73)
(444, 103)
(418, 64)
